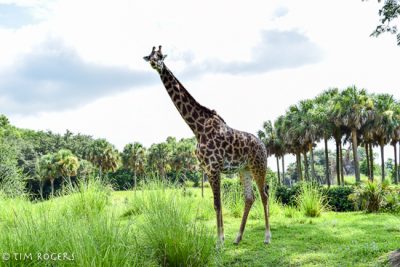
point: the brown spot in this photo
(211, 145)
(195, 114)
(184, 110)
(200, 128)
(190, 120)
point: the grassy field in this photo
(98, 227)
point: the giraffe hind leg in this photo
(246, 181)
(263, 188)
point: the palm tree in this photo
(291, 134)
(310, 129)
(323, 122)
(46, 170)
(133, 159)
(269, 137)
(158, 159)
(282, 146)
(395, 140)
(351, 109)
(384, 123)
(103, 155)
(67, 164)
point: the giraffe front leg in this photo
(216, 188)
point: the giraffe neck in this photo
(191, 111)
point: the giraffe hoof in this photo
(267, 239)
(237, 240)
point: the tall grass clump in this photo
(170, 231)
(87, 198)
(51, 233)
(233, 199)
(311, 202)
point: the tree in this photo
(103, 155)
(389, 12)
(66, 164)
(384, 123)
(325, 124)
(158, 159)
(274, 146)
(133, 159)
(46, 170)
(351, 109)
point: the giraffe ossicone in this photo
(220, 148)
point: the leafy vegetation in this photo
(351, 116)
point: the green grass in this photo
(175, 226)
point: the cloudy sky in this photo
(78, 64)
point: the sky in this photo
(78, 65)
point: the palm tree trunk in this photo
(283, 169)
(52, 187)
(396, 174)
(313, 176)
(382, 160)
(41, 189)
(367, 158)
(327, 173)
(100, 171)
(299, 171)
(306, 173)
(341, 163)
(371, 157)
(355, 154)
(277, 166)
(337, 163)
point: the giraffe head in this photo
(156, 59)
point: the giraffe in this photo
(220, 148)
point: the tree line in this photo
(345, 116)
(44, 161)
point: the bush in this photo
(392, 202)
(121, 179)
(11, 178)
(369, 196)
(338, 198)
(288, 195)
(311, 201)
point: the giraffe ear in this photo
(146, 58)
(164, 56)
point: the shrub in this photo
(392, 202)
(369, 196)
(338, 198)
(311, 201)
(288, 195)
